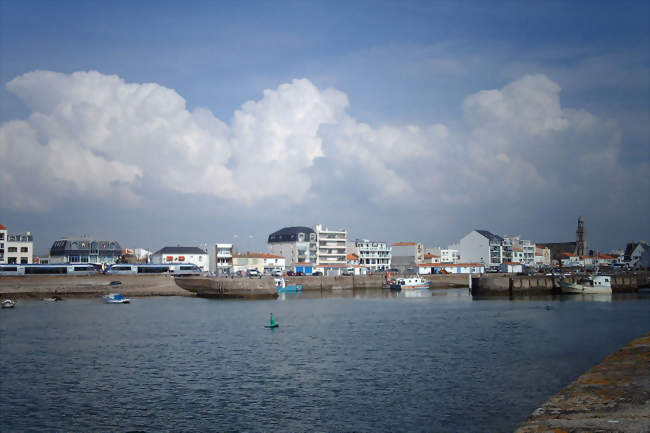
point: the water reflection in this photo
(379, 293)
(375, 293)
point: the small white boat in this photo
(282, 286)
(8, 303)
(600, 284)
(409, 283)
(116, 298)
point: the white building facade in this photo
(372, 255)
(189, 255)
(16, 248)
(223, 259)
(331, 246)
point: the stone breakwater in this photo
(514, 285)
(613, 396)
(163, 285)
(41, 286)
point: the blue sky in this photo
(455, 71)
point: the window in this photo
(24, 249)
(46, 270)
(12, 250)
(24, 261)
(2, 236)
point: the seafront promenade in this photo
(613, 396)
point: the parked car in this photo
(317, 274)
(290, 273)
(300, 274)
(276, 273)
(348, 272)
(253, 273)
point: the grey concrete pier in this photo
(614, 396)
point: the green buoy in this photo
(272, 323)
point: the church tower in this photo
(581, 238)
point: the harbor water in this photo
(369, 360)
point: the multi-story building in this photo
(297, 245)
(372, 255)
(523, 251)
(486, 248)
(407, 255)
(223, 259)
(637, 255)
(542, 256)
(193, 255)
(331, 246)
(449, 256)
(85, 250)
(16, 248)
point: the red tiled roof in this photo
(2, 227)
(403, 244)
(512, 263)
(352, 257)
(439, 265)
(430, 255)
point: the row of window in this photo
(15, 249)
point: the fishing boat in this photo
(596, 284)
(8, 303)
(282, 286)
(409, 283)
(116, 298)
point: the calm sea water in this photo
(362, 362)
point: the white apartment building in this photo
(331, 246)
(223, 259)
(449, 256)
(523, 251)
(193, 255)
(16, 248)
(297, 245)
(372, 255)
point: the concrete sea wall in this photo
(513, 285)
(613, 396)
(62, 285)
(164, 285)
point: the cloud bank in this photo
(95, 135)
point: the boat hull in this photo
(581, 289)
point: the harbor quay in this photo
(613, 396)
(165, 285)
(524, 285)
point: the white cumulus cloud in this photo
(91, 134)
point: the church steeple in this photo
(581, 238)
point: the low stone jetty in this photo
(44, 286)
(524, 285)
(238, 288)
(613, 396)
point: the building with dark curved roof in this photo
(85, 250)
(291, 234)
(296, 244)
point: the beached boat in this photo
(282, 286)
(409, 283)
(8, 303)
(598, 284)
(116, 298)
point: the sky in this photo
(160, 123)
